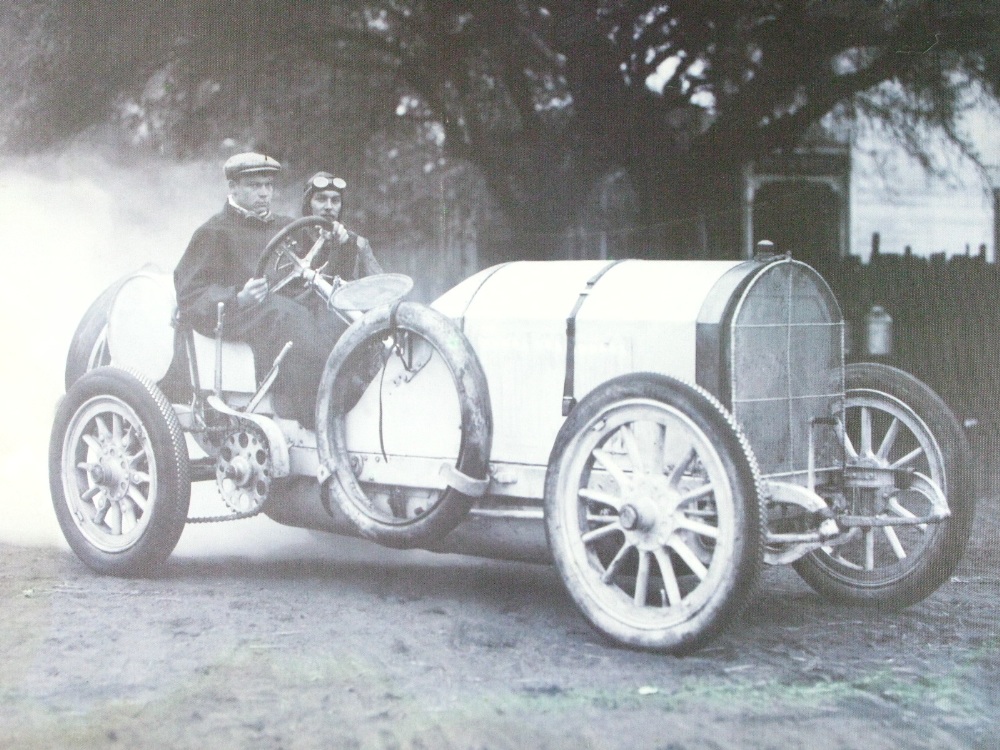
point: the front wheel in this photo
(652, 511)
(894, 421)
(118, 472)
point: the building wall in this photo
(891, 193)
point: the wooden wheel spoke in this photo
(114, 519)
(697, 493)
(889, 440)
(896, 507)
(128, 515)
(689, 557)
(670, 585)
(599, 533)
(140, 477)
(651, 437)
(632, 448)
(607, 461)
(894, 543)
(908, 458)
(103, 431)
(866, 431)
(140, 500)
(600, 496)
(642, 579)
(612, 569)
(681, 467)
(698, 527)
(101, 507)
(849, 448)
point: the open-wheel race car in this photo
(657, 429)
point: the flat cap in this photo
(249, 163)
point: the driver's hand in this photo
(252, 293)
(340, 232)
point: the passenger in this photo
(220, 264)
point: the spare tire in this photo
(341, 386)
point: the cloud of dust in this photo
(72, 224)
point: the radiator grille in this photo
(786, 349)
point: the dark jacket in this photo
(222, 255)
(352, 260)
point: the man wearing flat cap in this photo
(219, 266)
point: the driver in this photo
(219, 265)
(344, 254)
(348, 255)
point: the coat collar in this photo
(266, 218)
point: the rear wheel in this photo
(653, 514)
(118, 472)
(894, 421)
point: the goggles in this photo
(327, 183)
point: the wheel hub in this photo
(111, 471)
(648, 516)
(243, 469)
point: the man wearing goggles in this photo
(347, 254)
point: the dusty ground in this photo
(323, 642)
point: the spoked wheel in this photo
(653, 513)
(118, 472)
(893, 421)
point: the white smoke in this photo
(71, 225)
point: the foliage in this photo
(547, 99)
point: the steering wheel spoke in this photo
(286, 260)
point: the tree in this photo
(547, 99)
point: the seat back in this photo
(238, 373)
(142, 326)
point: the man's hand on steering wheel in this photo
(280, 258)
(340, 233)
(252, 293)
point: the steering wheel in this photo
(281, 258)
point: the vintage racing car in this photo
(657, 429)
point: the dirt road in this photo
(323, 642)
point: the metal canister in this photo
(878, 327)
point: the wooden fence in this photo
(946, 323)
(946, 331)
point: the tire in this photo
(401, 517)
(116, 443)
(88, 347)
(896, 566)
(663, 547)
